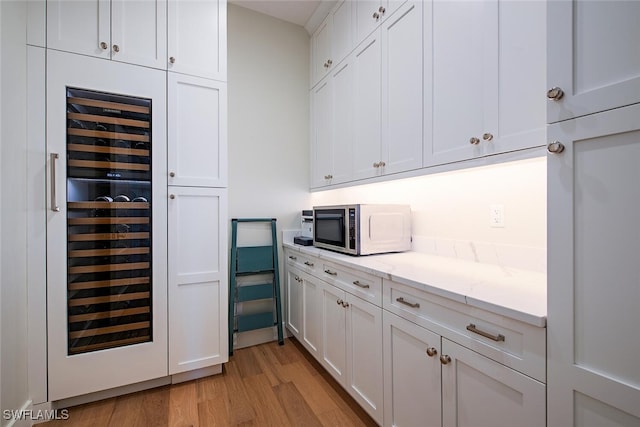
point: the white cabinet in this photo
(479, 392)
(197, 38)
(294, 301)
(322, 133)
(198, 276)
(593, 200)
(487, 84)
(351, 341)
(197, 131)
(593, 56)
(332, 41)
(127, 31)
(412, 376)
(369, 14)
(311, 315)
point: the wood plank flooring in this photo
(265, 385)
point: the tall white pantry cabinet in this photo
(593, 201)
(151, 79)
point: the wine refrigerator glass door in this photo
(106, 244)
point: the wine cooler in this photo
(109, 143)
(106, 225)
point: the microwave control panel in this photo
(352, 228)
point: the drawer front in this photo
(363, 285)
(305, 263)
(507, 341)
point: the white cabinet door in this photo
(402, 89)
(342, 41)
(294, 301)
(321, 51)
(334, 318)
(197, 38)
(479, 392)
(198, 278)
(343, 113)
(74, 375)
(461, 36)
(80, 27)
(197, 131)
(364, 380)
(412, 380)
(593, 198)
(321, 133)
(312, 315)
(593, 56)
(139, 32)
(368, 105)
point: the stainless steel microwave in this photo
(362, 229)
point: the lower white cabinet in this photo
(311, 314)
(412, 374)
(479, 392)
(351, 342)
(198, 278)
(293, 289)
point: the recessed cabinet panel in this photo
(294, 302)
(322, 133)
(197, 38)
(139, 32)
(197, 278)
(197, 131)
(79, 26)
(312, 315)
(334, 319)
(596, 62)
(321, 50)
(342, 141)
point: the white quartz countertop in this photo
(518, 294)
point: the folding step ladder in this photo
(254, 260)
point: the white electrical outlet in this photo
(496, 216)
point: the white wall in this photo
(450, 211)
(268, 72)
(14, 393)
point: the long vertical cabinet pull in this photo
(54, 199)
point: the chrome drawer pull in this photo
(410, 304)
(310, 264)
(292, 257)
(475, 330)
(357, 283)
(333, 273)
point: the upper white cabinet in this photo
(593, 199)
(593, 56)
(388, 96)
(197, 131)
(369, 14)
(488, 71)
(197, 38)
(127, 31)
(332, 41)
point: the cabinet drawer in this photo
(363, 285)
(305, 263)
(507, 341)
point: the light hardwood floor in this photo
(265, 385)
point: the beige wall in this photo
(268, 69)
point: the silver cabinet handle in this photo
(471, 327)
(431, 351)
(410, 304)
(54, 201)
(297, 279)
(382, 164)
(382, 10)
(103, 46)
(172, 196)
(474, 141)
(329, 62)
(360, 285)
(328, 176)
(172, 59)
(292, 257)
(325, 65)
(376, 16)
(345, 304)
(445, 359)
(555, 94)
(172, 174)
(556, 147)
(332, 273)
(339, 302)
(310, 264)
(487, 136)
(116, 48)
(376, 165)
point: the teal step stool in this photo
(248, 261)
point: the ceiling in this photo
(295, 11)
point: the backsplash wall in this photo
(451, 211)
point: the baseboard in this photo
(196, 374)
(25, 416)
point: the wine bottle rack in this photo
(109, 251)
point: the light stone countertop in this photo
(518, 294)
